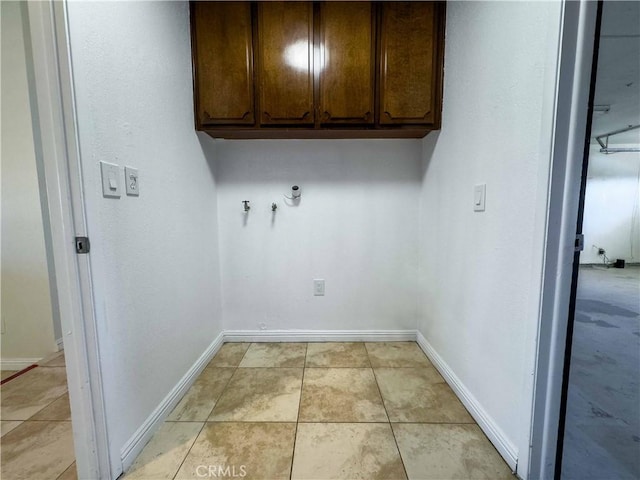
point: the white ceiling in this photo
(618, 75)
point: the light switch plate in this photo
(479, 196)
(111, 186)
(131, 181)
(318, 287)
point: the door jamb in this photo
(576, 256)
(57, 149)
(570, 123)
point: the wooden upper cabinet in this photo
(346, 63)
(223, 57)
(317, 69)
(408, 60)
(285, 63)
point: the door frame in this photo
(564, 391)
(570, 140)
(50, 79)
(57, 148)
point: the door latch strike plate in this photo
(579, 245)
(82, 245)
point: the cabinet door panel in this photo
(407, 61)
(224, 63)
(285, 63)
(347, 65)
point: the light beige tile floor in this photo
(197, 404)
(260, 395)
(29, 393)
(275, 355)
(448, 451)
(166, 451)
(320, 411)
(341, 395)
(251, 450)
(7, 373)
(37, 439)
(346, 450)
(333, 354)
(419, 395)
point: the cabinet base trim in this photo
(304, 133)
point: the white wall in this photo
(355, 227)
(481, 271)
(369, 211)
(154, 258)
(612, 207)
(27, 314)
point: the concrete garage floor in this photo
(602, 436)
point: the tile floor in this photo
(36, 438)
(320, 411)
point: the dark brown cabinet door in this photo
(346, 63)
(223, 56)
(285, 63)
(408, 61)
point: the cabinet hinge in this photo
(83, 245)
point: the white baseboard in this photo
(319, 335)
(484, 420)
(17, 363)
(141, 437)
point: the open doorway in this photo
(31, 326)
(37, 46)
(602, 418)
(37, 437)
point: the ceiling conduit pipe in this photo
(605, 144)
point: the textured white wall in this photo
(612, 207)
(26, 300)
(369, 211)
(481, 271)
(154, 257)
(355, 227)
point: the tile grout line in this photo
(295, 436)
(204, 424)
(395, 440)
(47, 406)
(235, 370)
(43, 408)
(190, 447)
(226, 385)
(37, 420)
(65, 470)
(297, 422)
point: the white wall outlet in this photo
(318, 287)
(131, 181)
(111, 186)
(479, 196)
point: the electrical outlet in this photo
(131, 181)
(318, 287)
